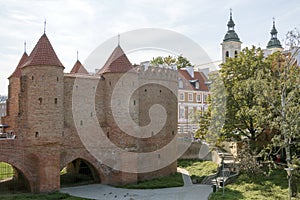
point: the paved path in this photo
(105, 192)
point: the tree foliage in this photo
(179, 61)
(279, 87)
(246, 115)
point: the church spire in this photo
(274, 42)
(231, 34)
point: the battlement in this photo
(157, 73)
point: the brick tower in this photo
(41, 112)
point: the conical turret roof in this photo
(116, 63)
(43, 54)
(17, 72)
(78, 68)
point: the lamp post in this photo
(289, 172)
(223, 179)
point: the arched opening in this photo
(78, 172)
(227, 54)
(12, 180)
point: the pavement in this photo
(105, 192)
(189, 191)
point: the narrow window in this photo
(145, 90)
(107, 134)
(159, 91)
(134, 102)
(57, 79)
(227, 54)
(55, 100)
(32, 78)
(109, 83)
(36, 134)
(81, 122)
(173, 132)
(235, 54)
(40, 101)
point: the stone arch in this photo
(22, 172)
(82, 165)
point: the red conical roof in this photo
(43, 54)
(78, 68)
(17, 72)
(117, 62)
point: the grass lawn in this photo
(6, 171)
(49, 196)
(258, 186)
(174, 180)
(198, 169)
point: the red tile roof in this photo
(43, 54)
(185, 76)
(78, 68)
(117, 62)
(17, 72)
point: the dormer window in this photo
(197, 85)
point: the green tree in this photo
(246, 115)
(182, 62)
(179, 61)
(279, 87)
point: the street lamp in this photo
(289, 172)
(223, 177)
(223, 186)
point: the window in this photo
(181, 96)
(36, 134)
(227, 54)
(180, 84)
(190, 97)
(197, 85)
(204, 97)
(198, 98)
(55, 100)
(40, 101)
(235, 54)
(181, 112)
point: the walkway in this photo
(105, 192)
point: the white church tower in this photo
(231, 44)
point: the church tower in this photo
(231, 44)
(274, 43)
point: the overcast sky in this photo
(83, 25)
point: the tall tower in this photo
(231, 44)
(13, 109)
(274, 43)
(42, 93)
